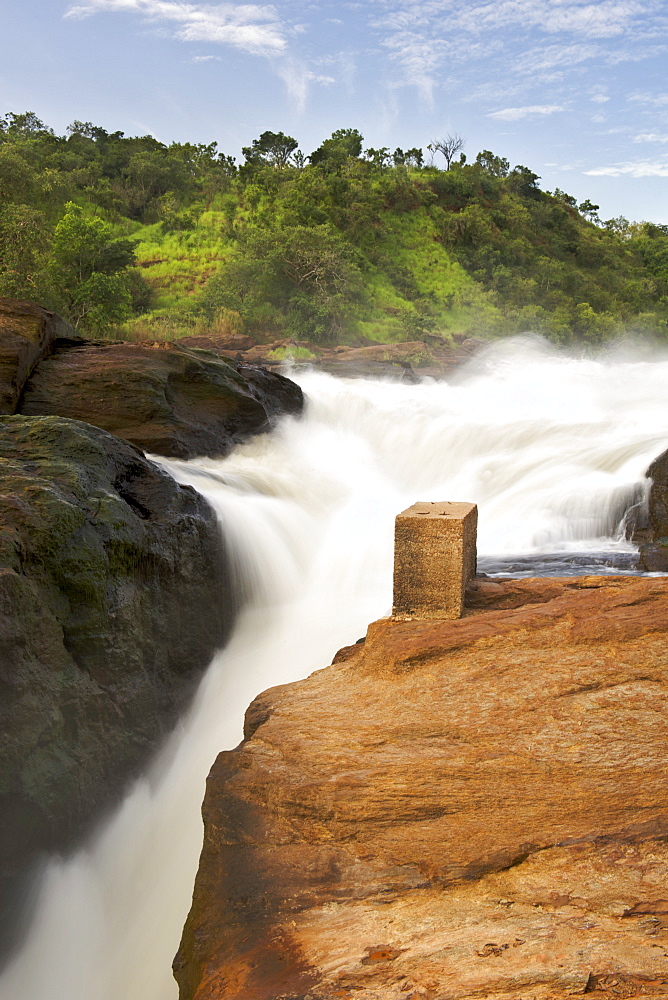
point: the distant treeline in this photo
(130, 237)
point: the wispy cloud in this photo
(530, 110)
(652, 100)
(600, 98)
(201, 59)
(425, 36)
(549, 57)
(297, 78)
(651, 137)
(253, 28)
(645, 168)
(588, 20)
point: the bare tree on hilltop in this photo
(448, 146)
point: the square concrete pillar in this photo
(434, 559)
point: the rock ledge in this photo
(452, 809)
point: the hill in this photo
(129, 237)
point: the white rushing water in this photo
(549, 447)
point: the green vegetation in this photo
(126, 236)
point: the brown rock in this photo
(164, 399)
(462, 808)
(27, 334)
(654, 553)
(230, 344)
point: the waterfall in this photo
(552, 448)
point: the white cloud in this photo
(600, 98)
(639, 169)
(651, 137)
(655, 100)
(555, 56)
(515, 114)
(424, 36)
(201, 59)
(297, 78)
(253, 28)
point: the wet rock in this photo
(27, 334)
(169, 400)
(453, 809)
(222, 345)
(114, 595)
(654, 551)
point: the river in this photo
(553, 450)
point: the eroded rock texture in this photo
(169, 400)
(472, 808)
(27, 334)
(654, 552)
(114, 595)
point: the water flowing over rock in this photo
(114, 594)
(173, 401)
(452, 809)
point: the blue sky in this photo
(577, 91)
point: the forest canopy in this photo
(127, 234)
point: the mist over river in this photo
(552, 449)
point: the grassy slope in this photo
(415, 271)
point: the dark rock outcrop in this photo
(471, 808)
(654, 551)
(27, 334)
(169, 400)
(114, 595)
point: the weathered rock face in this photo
(453, 809)
(169, 400)
(27, 334)
(403, 362)
(654, 553)
(114, 595)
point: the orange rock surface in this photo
(472, 808)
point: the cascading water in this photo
(552, 449)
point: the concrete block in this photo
(434, 559)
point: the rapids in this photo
(553, 449)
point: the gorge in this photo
(552, 448)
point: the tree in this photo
(88, 267)
(24, 241)
(497, 166)
(524, 181)
(589, 210)
(448, 146)
(342, 145)
(26, 125)
(294, 279)
(380, 158)
(274, 149)
(414, 157)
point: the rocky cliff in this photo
(452, 809)
(27, 334)
(114, 581)
(169, 400)
(114, 595)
